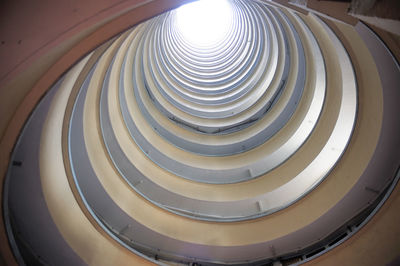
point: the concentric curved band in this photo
(221, 153)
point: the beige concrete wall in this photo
(22, 92)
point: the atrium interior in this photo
(210, 132)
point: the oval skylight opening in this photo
(204, 23)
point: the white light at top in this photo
(204, 22)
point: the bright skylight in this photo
(204, 22)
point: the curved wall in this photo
(350, 184)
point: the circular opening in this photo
(204, 23)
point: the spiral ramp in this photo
(272, 145)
